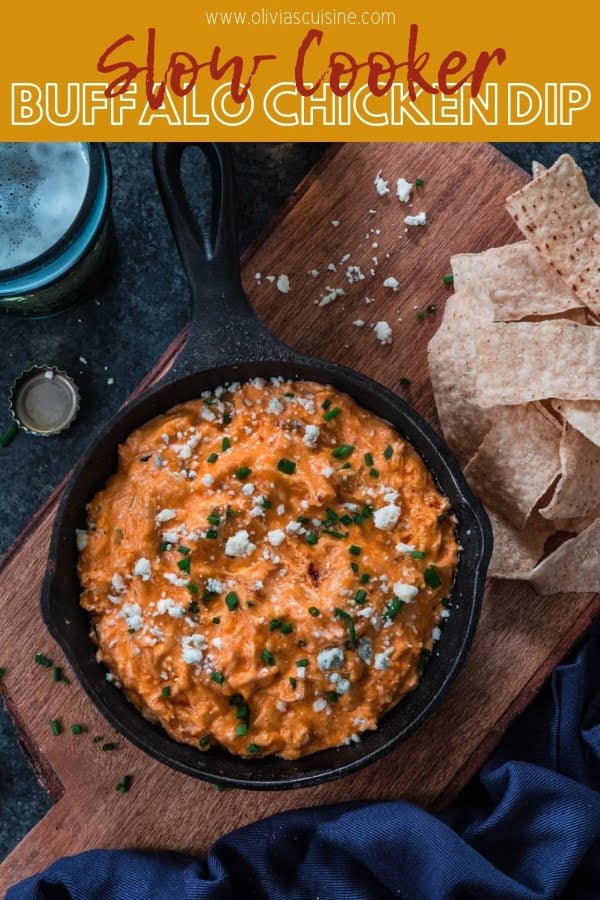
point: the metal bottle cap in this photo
(44, 400)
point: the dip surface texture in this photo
(266, 571)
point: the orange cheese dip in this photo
(266, 571)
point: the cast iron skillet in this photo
(227, 342)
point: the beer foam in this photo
(42, 188)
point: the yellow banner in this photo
(234, 70)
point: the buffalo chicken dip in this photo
(267, 570)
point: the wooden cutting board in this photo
(521, 636)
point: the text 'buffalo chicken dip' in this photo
(267, 569)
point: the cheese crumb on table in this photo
(403, 189)
(392, 283)
(283, 284)
(381, 186)
(383, 332)
(419, 219)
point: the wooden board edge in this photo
(518, 706)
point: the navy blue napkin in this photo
(528, 828)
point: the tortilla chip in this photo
(537, 169)
(516, 463)
(574, 566)
(577, 493)
(515, 280)
(517, 550)
(583, 415)
(526, 361)
(451, 355)
(556, 213)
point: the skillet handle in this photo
(223, 326)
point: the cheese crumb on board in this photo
(403, 190)
(283, 284)
(381, 186)
(419, 219)
(383, 332)
(392, 283)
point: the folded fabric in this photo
(528, 829)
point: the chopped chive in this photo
(446, 602)
(388, 452)
(289, 395)
(230, 513)
(253, 748)
(184, 565)
(367, 512)
(314, 612)
(266, 504)
(242, 711)
(2, 672)
(339, 535)
(76, 729)
(364, 578)
(443, 516)
(423, 659)
(432, 577)
(343, 451)
(394, 608)
(225, 444)
(163, 546)
(326, 404)
(211, 534)
(124, 784)
(286, 628)
(448, 279)
(232, 600)
(346, 519)
(331, 515)
(236, 700)
(302, 663)
(56, 673)
(267, 657)
(183, 549)
(274, 624)
(108, 747)
(405, 382)
(166, 692)
(213, 519)
(204, 741)
(220, 788)
(207, 596)
(193, 608)
(419, 182)
(312, 537)
(243, 472)
(293, 683)
(354, 550)
(97, 739)
(345, 466)
(287, 466)
(192, 587)
(216, 620)
(418, 554)
(432, 309)
(218, 677)
(55, 727)
(212, 458)
(42, 660)
(354, 567)
(333, 696)
(420, 316)
(9, 435)
(374, 473)
(342, 614)
(227, 419)
(332, 413)
(360, 596)
(241, 729)
(304, 520)
(368, 458)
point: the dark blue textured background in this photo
(121, 334)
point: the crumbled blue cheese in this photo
(193, 645)
(169, 607)
(132, 613)
(392, 283)
(276, 537)
(382, 660)
(283, 284)
(118, 583)
(406, 592)
(359, 323)
(381, 186)
(403, 189)
(364, 648)
(320, 704)
(214, 584)
(330, 295)
(176, 580)
(165, 515)
(419, 219)
(386, 517)
(207, 480)
(383, 332)
(332, 658)
(311, 435)
(354, 274)
(81, 537)
(143, 569)
(405, 548)
(274, 406)
(248, 489)
(239, 545)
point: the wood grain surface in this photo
(520, 637)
